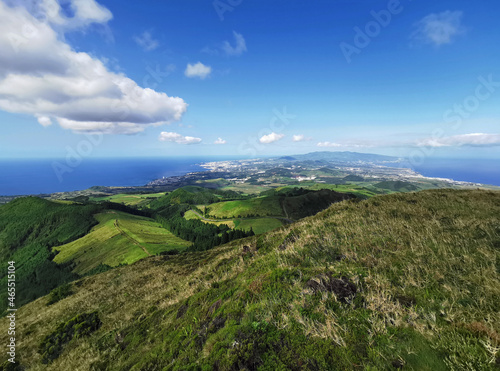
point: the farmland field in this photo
(119, 238)
(261, 206)
(259, 226)
(130, 199)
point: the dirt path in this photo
(135, 242)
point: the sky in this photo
(245, 78)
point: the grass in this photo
(425, 267)
(360, 190)
(261, 206)
(259, 225)
(130, 199)
(119, 238)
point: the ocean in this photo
(37, 176)
(485, 171)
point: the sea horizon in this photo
(25, 176)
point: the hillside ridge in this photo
(404, 280)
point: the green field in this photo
(130, 199)
(261, 206)
(190, 214)
(259, 226)
(119, 238)
(361, 190)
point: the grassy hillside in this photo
(261, 206)
(29, 227)
(399, 281)
(131, 199)
(193, 195)
(119, 238)
(310, 203)
(396, 186)
(258, 225)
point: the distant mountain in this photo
(344, 157)
(288, 158)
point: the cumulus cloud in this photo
(146, 41)
(177, 138)
(439, 29)
(220, 141)
(239, 47)
(270, 138)
(43, 76)
(198, 70)
(471, 140)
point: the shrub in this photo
(60, 293)
(82, 325)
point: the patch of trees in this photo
(204, 236)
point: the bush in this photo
(52, 345)
(60, 293)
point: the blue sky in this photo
(249, 78)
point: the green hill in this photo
(258, 206)
(119, 238)
(311, 202)
(29, 228)
(396, 186)
(405, 281)
(193, 195)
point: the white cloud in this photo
(146, 41)
(471, 140)
(85, 12)
(439, 29)
(44, 121)
(240, 45)
(177, 138)
(270, 138)
(300, 138)
(198, 70)
(43, 76)
(329, 144)
(220, 141)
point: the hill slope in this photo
(404, 280)
(29, 228)
(119, 238)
